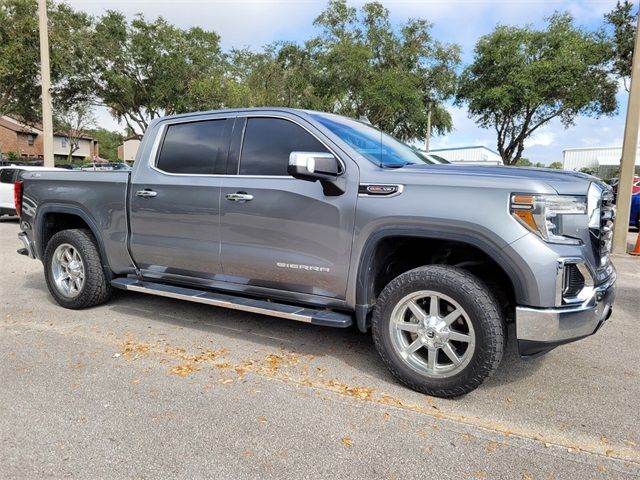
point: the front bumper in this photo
(539, 330)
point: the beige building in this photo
(128, 149)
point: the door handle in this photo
(146, 193)
(240, 197)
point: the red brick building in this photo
(19, 138)
(26, 141)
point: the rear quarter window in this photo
(6, 175)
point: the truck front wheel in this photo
(73, 270)
(439, 330)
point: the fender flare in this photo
(363, 280)
(42, 212)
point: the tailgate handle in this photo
(239, 197)
(146, 193)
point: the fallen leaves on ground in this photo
(347, 441)
(184, 370)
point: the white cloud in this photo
(542, 137)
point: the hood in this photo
(562, 181)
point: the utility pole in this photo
(629, 149)
(45, 75)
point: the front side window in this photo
(198, 148)
(373, 144)
(268, 142)
(30, 139)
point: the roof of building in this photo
(16, 126)
(462, 148)
(575, 149)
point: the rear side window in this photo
(195, 148)
(6, 175)
(268, 142)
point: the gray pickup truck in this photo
(318, 218)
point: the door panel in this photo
(288, 235)
(175, 208)
(177, 230)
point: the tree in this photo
(522, 78)
(73, 122)
(280, 75)
(108, 141)
(148, 69)
(623, 25)
(20, 92)
(366, 67)
(556, 165)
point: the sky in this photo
(255, 23)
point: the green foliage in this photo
(392, 76)
(522, 78)
(108, 141)
(622, 23)
(69, 31)
(13, 156)
(589, 170)
(148, 69)
(360, 65)
(556, 165)
(524, 162)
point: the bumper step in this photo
(327, 318)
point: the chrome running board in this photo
(326, 318)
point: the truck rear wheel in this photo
(439, 330)
(73, 270)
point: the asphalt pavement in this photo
(149, 387)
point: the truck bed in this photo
(99, 197)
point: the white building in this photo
(470, 155)
(87, 147)
(127, 150)
(593, 157)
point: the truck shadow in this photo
(348, 346)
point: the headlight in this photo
(542, 214)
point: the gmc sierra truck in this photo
(322, 219)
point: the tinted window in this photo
(6, 175)
(268, 142)
(196, 148)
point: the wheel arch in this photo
(368, 269)
(53, 218)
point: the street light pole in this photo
(47, 120)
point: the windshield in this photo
(373, 144)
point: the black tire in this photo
(482, 310)
(96, 289)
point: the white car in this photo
(8, 175)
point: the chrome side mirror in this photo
(318, 166)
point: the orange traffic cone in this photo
(636, 250)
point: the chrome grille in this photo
(573, 282)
